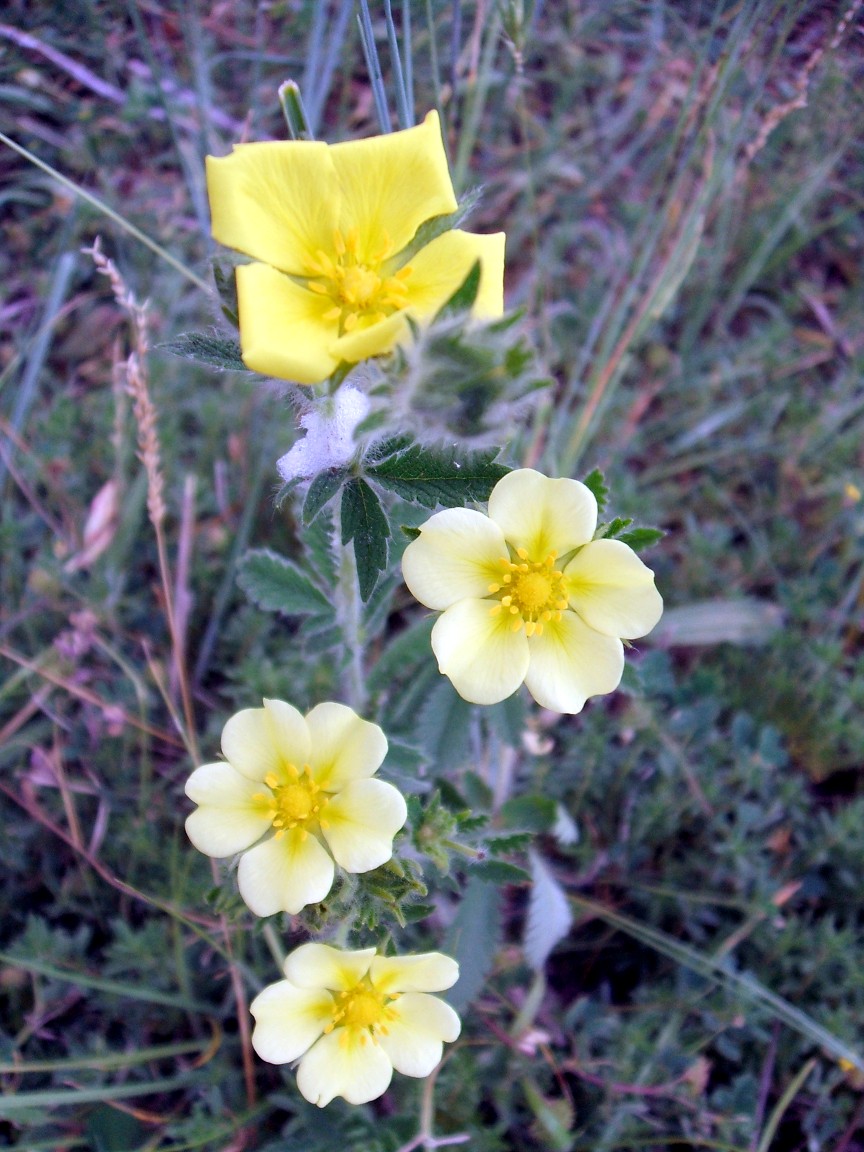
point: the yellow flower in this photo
(294, 794)
(352, 1017)
(527, 595)
(330, 224)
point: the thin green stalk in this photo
(22, 1101)
(406, 118)
(107, 1062)
(349, 613)
(373, 66)
(783, 1103)
(476, 105)
(716, 969)
(102, 207)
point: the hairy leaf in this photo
(438, 475)
(278, 585)
(208, 348)
(321, 491)
(364, 522)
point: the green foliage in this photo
(438, 475)
(364, 522)
(276, 584)
(685, 250)
(207, 348)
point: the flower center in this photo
(530, 592)
(298, 803)
(362, 293)
(362, 1012)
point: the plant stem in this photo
(349, 614)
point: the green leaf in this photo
(364, 522)
(443, 728)
(641, 538)
(535, 813)
(473, 940)
(613, 528)
(596, 482)
(500, 872)
(436, 475)
(321, 491)
(208, 348)
(277, 585)
(463, 298)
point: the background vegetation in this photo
(682, 188)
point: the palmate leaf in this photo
(277, 585)
(439, 475)
(364, 522)
(208, 348)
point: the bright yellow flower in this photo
(294, 794)
(330, 224)
(352, 1017)
(528, 595)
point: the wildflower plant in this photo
(439, 724)
(353, 290)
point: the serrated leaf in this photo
(415, 912)
(208, 348)
(321, 491)
(437, 475)
(473, 940)
(364, 522)
(278, 585)
(503, 845)
(614, 527)
(500, 872)
(596, 482)
(549, 917)
(463, 298)
(641, 538)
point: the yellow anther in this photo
(271, 780)
(522, 553)
(494, 587)
(338, 242)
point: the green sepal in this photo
(463, 298)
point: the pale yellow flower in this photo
(528, 595)
(330, 225)
(294, 794)
(352, 1017)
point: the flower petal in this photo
(285, 875)
(612, 590)
(289, 731)
(390, 185)
(415, 1039)
(320, 966)
(368, 340)
(570, 662)
(283, 332)
(362, 820)
(439, 269)
(344, 747)
(340, 1065)
(484, 658)
(424, 972)
(228, 819)
(543, 515)
(275, 201)
(455, 557)
(248, 744)
(289, 1020)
